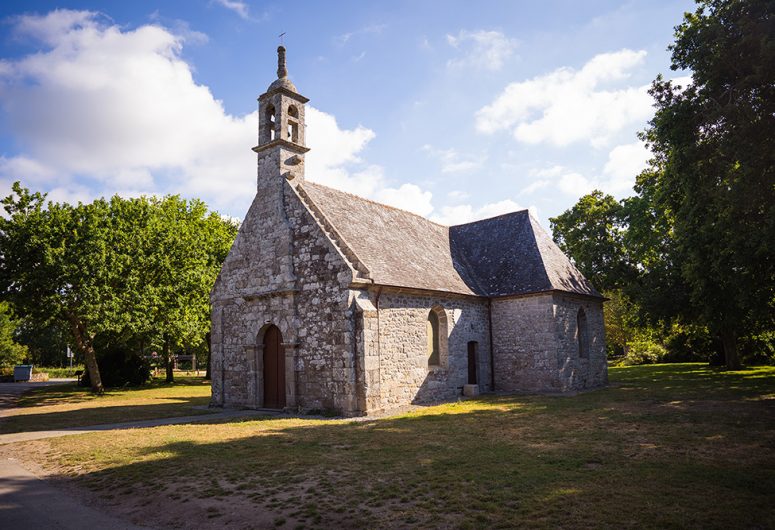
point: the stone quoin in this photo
(331, 302)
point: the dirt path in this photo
(26, 501)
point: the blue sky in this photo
(453, 110)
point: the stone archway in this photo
(274, 368)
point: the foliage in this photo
(591, 233)
(120, 367)
(714, 168)
(47, 344)
(695, 245)
(137, 268)
(644, 352)
(11, 352)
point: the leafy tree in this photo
(136, 269)
(185, 247)
(591, 232)
(11, 352)
(711, 180)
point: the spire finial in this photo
(282, 71)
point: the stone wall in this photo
(575, 372)
(404, 374)
(283, 270)
(536, 343)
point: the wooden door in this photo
(274, 369)
(472, 376)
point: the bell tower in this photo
(281, 143)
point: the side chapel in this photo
(329, 301)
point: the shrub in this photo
(644, 352)
(119, 367)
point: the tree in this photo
(591, 232)
(11, 352)
(137, 269)
(712, 178)
(184, 248)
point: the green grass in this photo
(68, 405)
(665, 446)
(56, 372)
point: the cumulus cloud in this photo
(465, 213)
(624, 163)
(568, 105)
(482, 49)
(104, 110)
(452, 161)
(241, 8)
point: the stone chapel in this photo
(332, 302)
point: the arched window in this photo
(293, 124)
(434, 351)
(582, 334)
(436, 327)
(270, 121)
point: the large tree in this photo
(139, 268)
(713, 177)
(591, 232)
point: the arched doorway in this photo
(274, 369)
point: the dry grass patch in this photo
(56, 407)
(625, 456)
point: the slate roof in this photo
(505, 255)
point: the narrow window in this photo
(432, 327)
(473, 376)
(582, 334)
(293, 131)
(270, 123)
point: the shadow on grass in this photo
(504, 461)
(86, 417)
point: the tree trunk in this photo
(729, 342)
(83, 342)
(168, 359)
(209, 356)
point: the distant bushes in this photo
(120, 367)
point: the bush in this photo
(644, 352)
(118, 367)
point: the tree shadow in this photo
(501, 461)
(86, 417)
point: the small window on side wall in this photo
(433, 350)
(582, 334)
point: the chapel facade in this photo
(331, 302)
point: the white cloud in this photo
(465, 213)
(458, 195)
(482, 49)
(452, 161)
(241, 8)
(575, 184)
(567, 105)
(535, 186)
(373, 29)
(104, 111)
(407, 197)
(624, 163)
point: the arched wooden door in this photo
(274, 369)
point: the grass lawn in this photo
(665, 446)
(68, 405)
